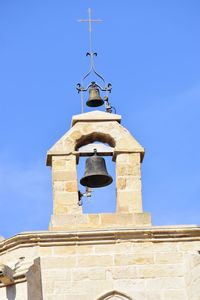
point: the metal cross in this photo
(90, 20)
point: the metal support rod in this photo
(80, 87)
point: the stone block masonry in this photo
(127, 154)
(137, 264)
(107, 256)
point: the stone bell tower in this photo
(127, 154)
(105, 256)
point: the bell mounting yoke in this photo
(93, 85)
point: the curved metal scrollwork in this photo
(81, 88)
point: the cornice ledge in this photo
(150, 234)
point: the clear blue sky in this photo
(148, 50)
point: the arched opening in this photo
(114, 295)
(102, 200)
(95, 137)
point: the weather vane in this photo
(94, 95)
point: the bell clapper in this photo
(88, 194)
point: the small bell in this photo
(94, 99)
(96, 174)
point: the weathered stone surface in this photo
(104, 128)
(62, 219)
(149, 263)
(126, 272)
(175, 294)
(67, 186)
(64, 175)
(167, 258)
(88, 128)
(57, 262)
(175, 283)
(89, 274)
(16, 292)
(102, 256)
(6, 274)
(95, 116)
(65, 203)
(129, 201)
(64, 250)
(192, 274)
(95, 260)
(133, 259)
(156, 270)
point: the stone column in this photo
(128, 181)
(65, 186)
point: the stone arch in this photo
(95, 137)
(82, 133)
(114, 295)
(109, 132)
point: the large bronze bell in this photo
(96, 174)
(94, 99)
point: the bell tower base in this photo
(99, 221)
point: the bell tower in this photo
(99, 256)
(127, 155)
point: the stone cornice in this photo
(150, 234)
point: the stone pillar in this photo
(128, 181)
(65, 186)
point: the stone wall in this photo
(192, 276)
(140, 271)
(156, 263)
(14, 292)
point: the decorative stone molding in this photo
(115, 295)
(150, 234)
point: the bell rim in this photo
(100, 102)
(109, 181)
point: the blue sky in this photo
(149, 51)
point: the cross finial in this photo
(90, 20)
(80, 87)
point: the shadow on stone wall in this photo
(34, 282)
(11, 292)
